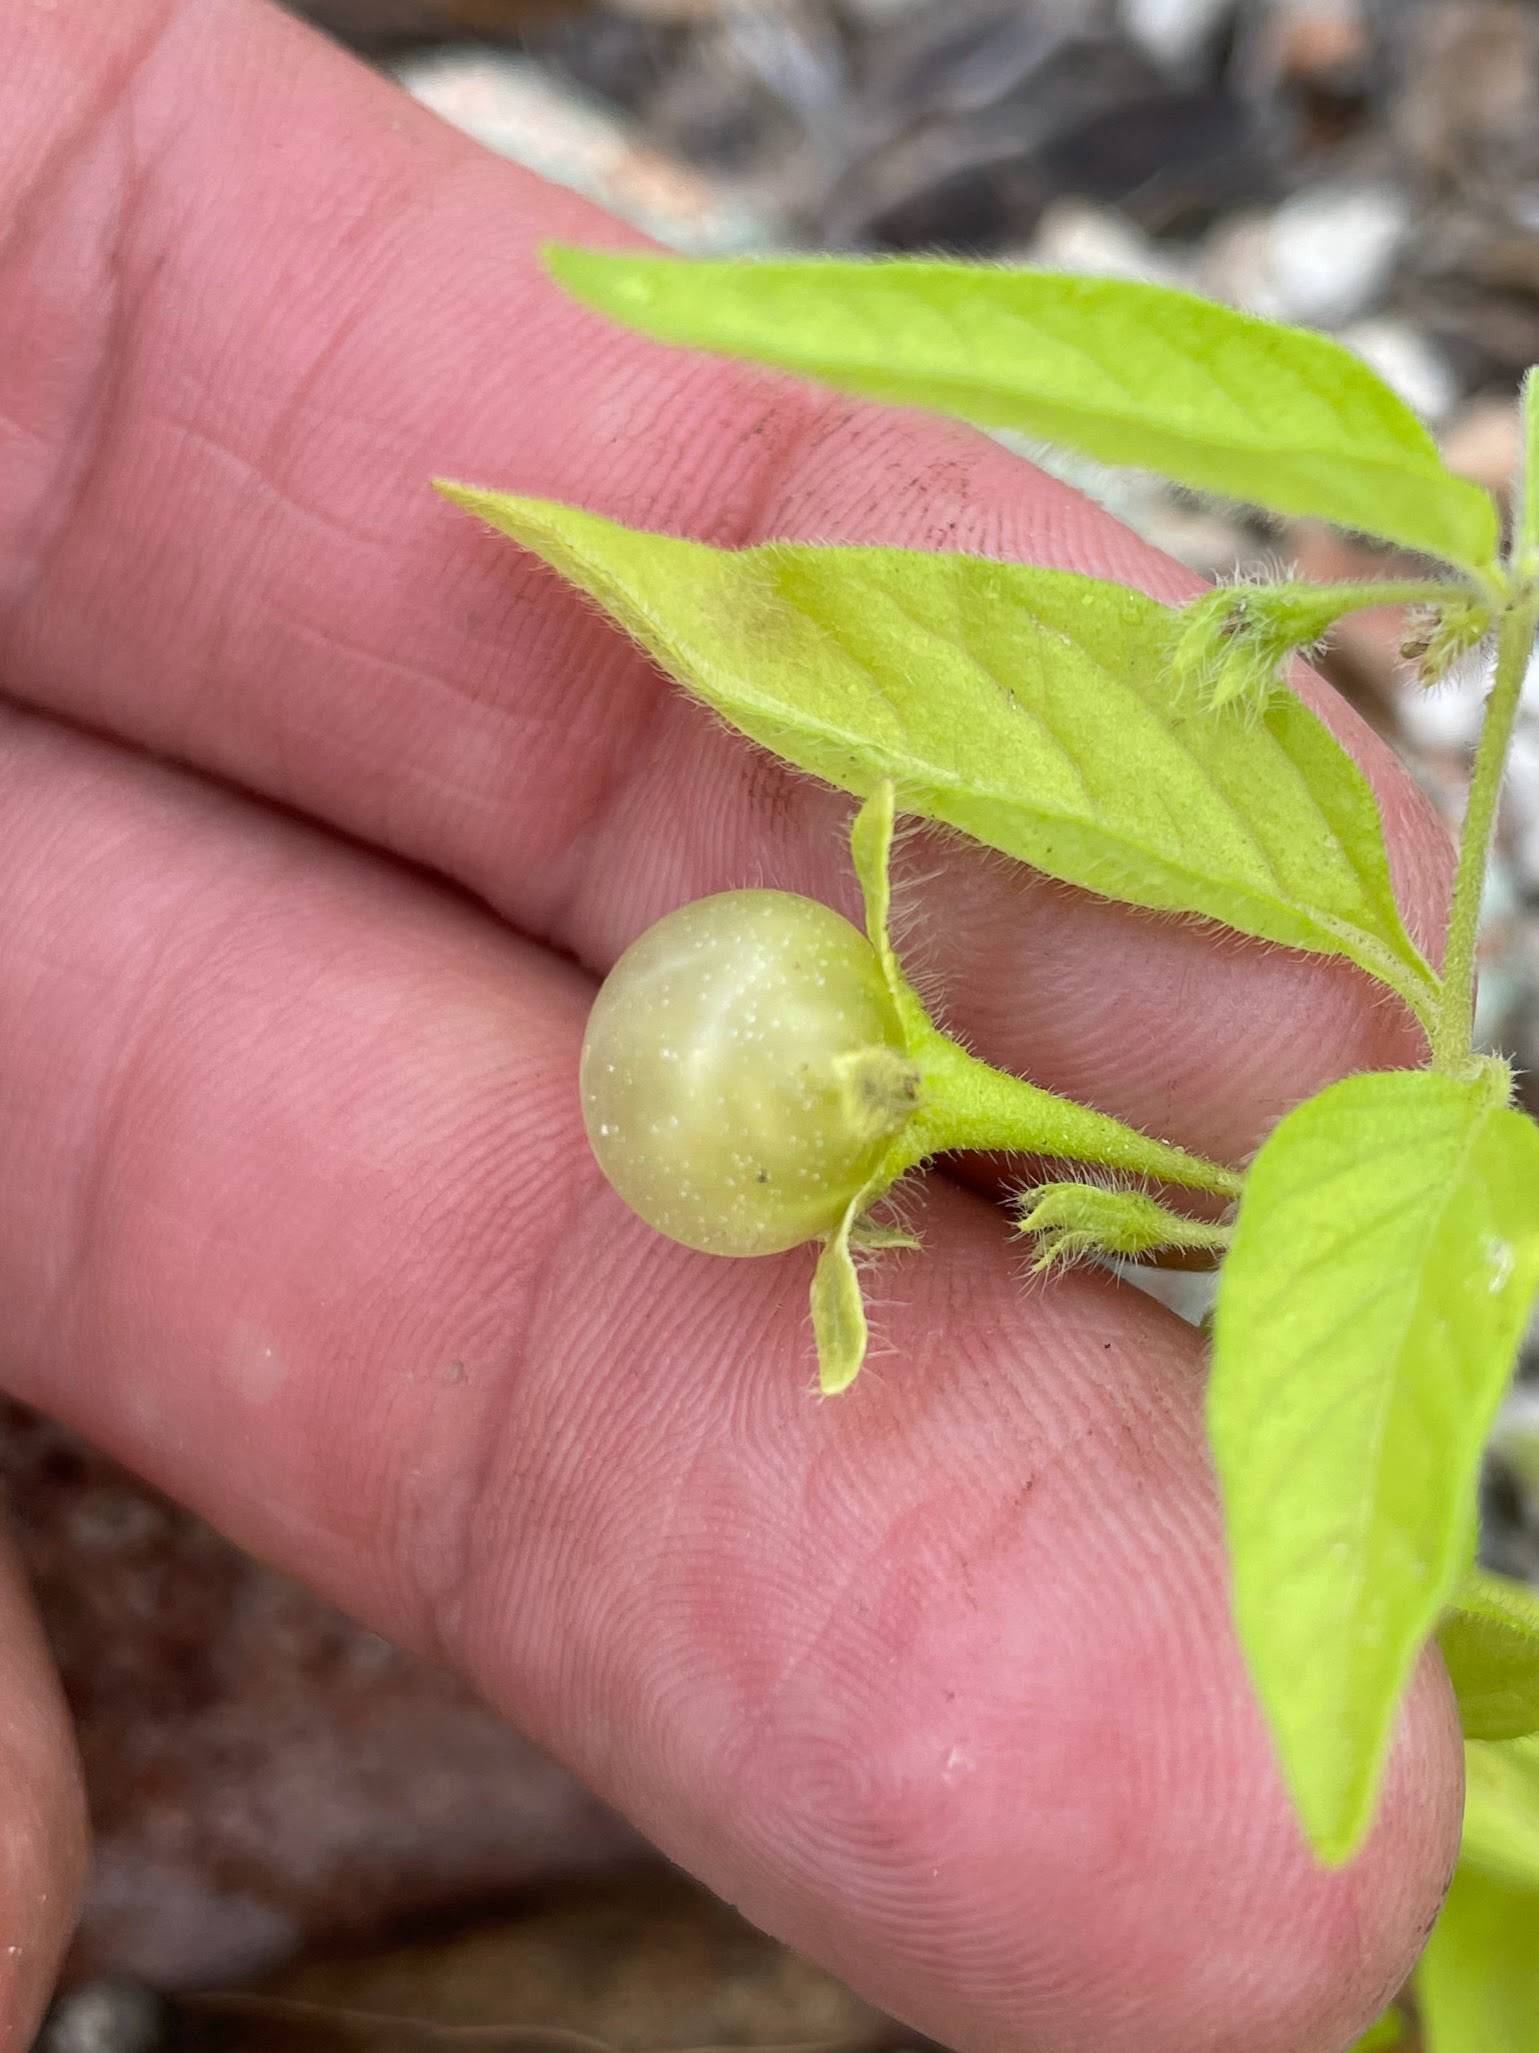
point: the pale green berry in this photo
(744, 1072)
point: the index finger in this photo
(264, 286)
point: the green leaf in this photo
(1490, 1641)
(1129, 373)
(1477, 1984)
(1384, 1258)
(1383, 2037)
(1501, 1810)
(1025, 706)
(1478, 1981)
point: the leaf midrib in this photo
(1370, 878)
(926, 774)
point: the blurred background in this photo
(285, 1805)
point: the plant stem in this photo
(965, 1104)
(1452, 1028)
(1525, 540)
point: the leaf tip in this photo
(1336, 1813)
(499, 510)
(458, 494)
(572, 267)
(535, 524)
(608, 281)
(834, 1378)
(1339, 1847)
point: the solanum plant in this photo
(758, 1074)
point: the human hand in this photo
(322, 814)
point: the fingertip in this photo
(1024, 1757)
(1188, 1918)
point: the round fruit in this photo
(743, 1072)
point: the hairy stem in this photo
(1452, 1027)
(1525, 541)
(965, 1104)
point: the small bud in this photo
(1234, 642)
(1215, 655)
(1084, 1219)
(1438, 637)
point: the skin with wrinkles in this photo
(324, 814)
